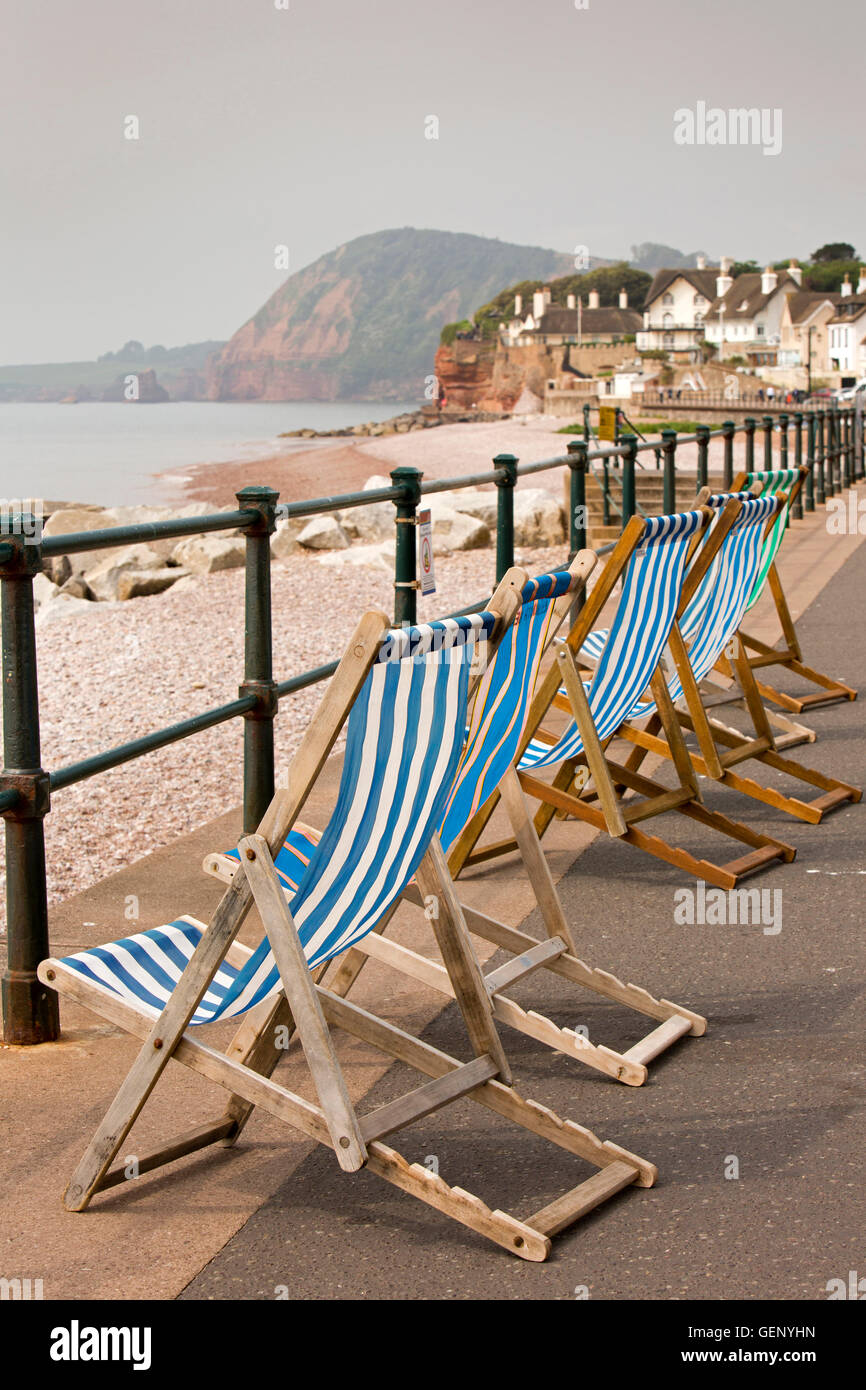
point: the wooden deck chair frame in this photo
(721, 688)
(558, 953)
(310, 1010)
(595, 775)
(720, 747)
(762, 655)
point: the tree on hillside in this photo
(828, 275)
(744, 268)
(835, 251)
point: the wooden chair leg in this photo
(159, 1044)
(303, 1001)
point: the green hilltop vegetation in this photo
(608, 280)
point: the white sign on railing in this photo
(425, 552)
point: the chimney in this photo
(723, 279)
(546, 293)
(701, 263)
(769, 280)
(518, 305)
(623, 299)
(846, 286)
(725, 264)
(538, 305)
(861, 283)
(593, 300)
(569, 303)
(795, 273)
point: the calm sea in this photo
(114, 453)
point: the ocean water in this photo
(114, 454)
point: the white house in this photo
(846, 335)
(675, 310)
(745, 317)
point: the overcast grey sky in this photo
(261, 126)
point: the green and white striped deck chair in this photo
(405, 695)
(790, 654)
(708, 627)
(499, 712)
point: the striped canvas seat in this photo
(501, 704)
(689, 622)
(404, 740)
(773, 481)
(723, 601)
(644, 617)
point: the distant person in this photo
(771, 394)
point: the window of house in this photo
(669, 340)
(667, 298)
(668, 321)
(759, 330)
(699, 320)
(699, 300)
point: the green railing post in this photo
(605, 492)
(820, 477)
(798, 461)
(728, 432)
(768, 442)
(669, 479)
(258, 656)
(783, 451)
(30, 1010)
(859, 470)
(703, 433)
(849, 461)
(750, 424)
(405, 557)
(628, 486)
(809, 489)
(587, 427)
(505, 485)
(577, 451)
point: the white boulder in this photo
(453, 530)
(379, 556)
(323, 533)
(206, 554)
(538, 518)
(104, 580)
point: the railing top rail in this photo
(75, 541)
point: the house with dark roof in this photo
(745, 318)
(803, 339)
(553, 325)
(675, 311)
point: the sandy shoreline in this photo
(326, 469)
(445, 452)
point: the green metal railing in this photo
(833, 452)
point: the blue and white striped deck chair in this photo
(788, 655)
(696, 650)
(661, 573)
(499, 710)
(405, 695)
